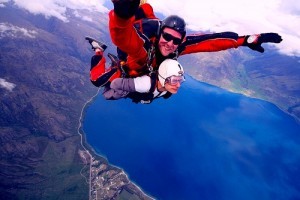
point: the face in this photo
(172, 88)
(166, 47)
(173, 83)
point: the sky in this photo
(241, 16)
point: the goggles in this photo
(168, 37)
(173, 80)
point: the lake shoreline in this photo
(94, 155)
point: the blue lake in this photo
(202, 143)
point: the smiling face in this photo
(172, 88)
(167, 39)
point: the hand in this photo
(254, 41)
(125, 8)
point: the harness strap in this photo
(151, 56)
(153, 78)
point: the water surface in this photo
(202, 143)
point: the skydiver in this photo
(143, 89)
(146, 43)
(150, 41)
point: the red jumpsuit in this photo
(98, 61)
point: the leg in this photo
(98, 75)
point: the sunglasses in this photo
(168, 37)
(173, 80)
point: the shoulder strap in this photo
(153, 78)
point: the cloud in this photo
(49, 8)
(6, 85)
(58, 8)
(2, 3)
(243, 17)
(85, 18)
(9, 30)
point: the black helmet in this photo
(174, 22)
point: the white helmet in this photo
(168, 68)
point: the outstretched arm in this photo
(122, 31)
(226, 40)
(208, 42)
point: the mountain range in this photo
(44, 79)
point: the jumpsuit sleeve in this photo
(148, 11)
(139, 84)
(210, 42)
(124, 35)
(127, 39)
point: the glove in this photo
(254, 41)
(126, 8)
